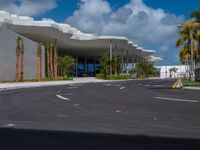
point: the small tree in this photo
(65, 63)
(105, 65)
(145, 68)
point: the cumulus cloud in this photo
(27, 7)
(148, 27)
(48, 19)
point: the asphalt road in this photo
(141, 114)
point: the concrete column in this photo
(110, 56)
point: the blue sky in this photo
(66, 8)
(151, 24)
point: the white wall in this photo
(8, 56)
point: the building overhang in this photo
(70, 40)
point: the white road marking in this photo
(140, 84)
(76, 105)
(155, 85)
(10, 125)
(121, 88)
(63, 98)
(180, 100)
(73, 87)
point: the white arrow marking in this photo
(63, 98)
(180, 100)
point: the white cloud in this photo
(27, 7)
(149, 27)
(48, 19)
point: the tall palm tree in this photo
(185, 35)
(19, 75)
(51, 60)
(187, 44)
(55, 63)
(22, 60)
(196, 15)
(18, 40)
(184, 54)
(39, 62)
(196, 37)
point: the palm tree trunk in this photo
(51, 61)
(39, 62)
(48, 60)
(198, 53)
(22, 61)
(55, 64)
(17, 62)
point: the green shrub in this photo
(101, 76)
(112, 77)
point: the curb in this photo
(191, 88)
(21, 86)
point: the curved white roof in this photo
(70, 40)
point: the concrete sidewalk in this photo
(191, 88)
(10, 86)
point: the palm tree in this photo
(22, 60)
(145, 68)
(47, 60)
(51, 60)
(184, 54)
(55, 63)
(186, 43)
(105, 65)
(19, 75)
(196, 15)
(18, 40)
(65, 63)
(39, 62)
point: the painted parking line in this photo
(72, 87)
(174, 99)
(63, 98)
(121, 88)
(154, 85)
(10, 125)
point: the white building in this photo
(85, 48)
(173, 71)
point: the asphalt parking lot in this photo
(133, 112)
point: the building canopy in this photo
(71, 40)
